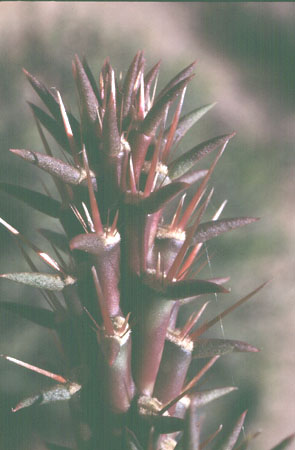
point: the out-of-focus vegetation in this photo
(245, 55)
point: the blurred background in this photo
(245, 62)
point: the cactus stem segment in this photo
(177, 356)
(188, 388)
(119, 386)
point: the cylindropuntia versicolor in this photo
(124, 267)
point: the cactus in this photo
(125, 265)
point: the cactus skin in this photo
(130, 269)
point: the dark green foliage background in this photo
(245, 55)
